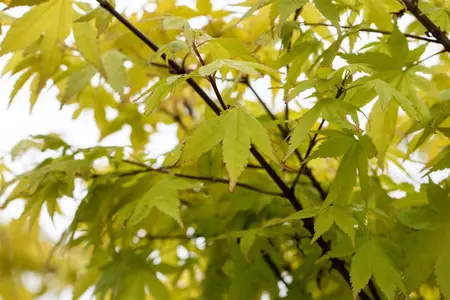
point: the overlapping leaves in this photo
(237, 130)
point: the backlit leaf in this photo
(301, 130)
(27, 29)
(236, 145)
(381, 126)
(328, 9)
(51, 45)
(322, 223)
(208, 134)
(87, 44)
(115, 70)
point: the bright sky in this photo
(17, 123)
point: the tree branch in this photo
(180, 175)
(337, 264)
(211, 79)
(221, 180)
(435, 31)
(107, 6)
(285, 134)
(385, 32)
(311, 145)
(170, 237)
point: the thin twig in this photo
(170, 237)
(147, 168)
(430, 56)
(176, 118)
(385, 32)
(226, 181)
(286, 168)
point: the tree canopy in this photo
(290, 115)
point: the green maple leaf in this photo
(129, 275)
(331, 110)
(52, 52)
(355, 155)
(371, 259)
(113, 62)
(433, 242)
(87, 44)
(237, 130)
(330, 215)
(163, 195)
(39, 19)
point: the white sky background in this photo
(16, 123)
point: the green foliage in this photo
(298, 202)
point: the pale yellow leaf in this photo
(27, 29)
(236, 145)
(51, 51)
(87, 44)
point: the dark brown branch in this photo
(137, 163)
(385, 32)
(221, 180)
(435, 31)
(337, 264)
(286, 168)
(307, 171)
(180, 175)
(211, 79)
